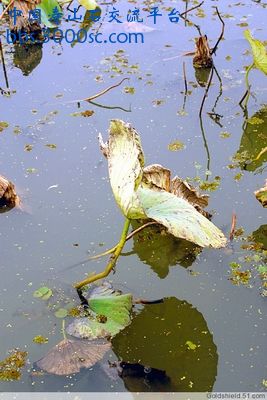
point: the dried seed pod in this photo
(8, 196)
(202, 58)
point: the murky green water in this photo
(68, 202)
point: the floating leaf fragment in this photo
(28, 147)
(39, 339)
(43, 293)
(129, 90)
(176, 146)
(86, 113)
(190, 345)
(3, 125)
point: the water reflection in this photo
(161, 251)
(27, 57)
(253, 141)
(171, 337)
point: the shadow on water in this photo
(253, 142)
(172, 337)
(27, 57)
(161, 251)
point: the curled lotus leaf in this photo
(144, 193)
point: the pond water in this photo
(69, 210)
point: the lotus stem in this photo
(247, 94)
(63, 329)
(112, 261)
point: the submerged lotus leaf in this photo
(69, 356)
(258, 51)
(180, 218)
(125, 161)
(112, 314)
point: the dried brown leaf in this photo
(69, 356)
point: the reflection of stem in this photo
(214, 115)
(109, 107)
(220, 90)
(205, 145)
(206, 91)
(112, 261)
(185, 86)
(201, 121)
(95, 96)
(3, 62)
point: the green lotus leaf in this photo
(180, 218)
(47, 8)
(88, 4)
(258, 51)
(111, 314)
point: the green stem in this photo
(247, 84)
(63, 329)
(112, 261)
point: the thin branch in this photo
(191, 9)
(222, 32)
(95, 96)
(184, 17)
(105, 91)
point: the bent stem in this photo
(112, 261)
(247, 94)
